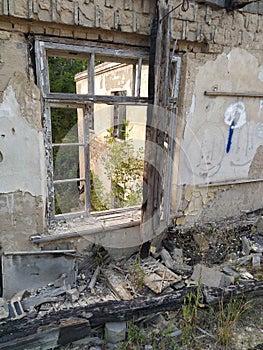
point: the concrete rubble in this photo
(175, 267)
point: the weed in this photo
(168, 340)
(228, 316)
(124, 168)
(190, 310)
(137, 273)
(135, 338)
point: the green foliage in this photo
(228, 317)
(135, 336)
(137, 273)
(123, 164)
(62, 72)
(98, 200)
(124, 167)
(190, 314)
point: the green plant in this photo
(124, 167)
(137, 273)
(228, 316)
(135, 338)
(98, 200)
(190, 313)
(168, 340)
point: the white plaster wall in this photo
(21, 168)
(204, 156)
(203, 150)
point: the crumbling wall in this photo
(22, 184)
(219, 135)
(220, 50)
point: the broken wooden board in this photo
(49, 336)
(15, 333)
(39, 299)
(117, 284)
(160, 277)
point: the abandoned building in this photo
(187, 77)
(208, 164)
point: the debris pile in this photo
(219, 266)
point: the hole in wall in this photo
(1, 157)
(3, 136)
(13, 131)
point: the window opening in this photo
(95, 126)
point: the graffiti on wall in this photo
(211, 145)
(235, 117)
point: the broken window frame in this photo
(48, 47)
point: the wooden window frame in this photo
(49, 47)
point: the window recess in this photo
(90, 90)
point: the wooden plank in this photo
(138, 91)
(39, 299)
(98, 49)
(234, 94)
(48, 336)
(87, 98)
(117, 284)
(133, 79)
(156, 125)
(91, 86)
(88, 118)
(13, 333)
(131, 51)
(94, 279)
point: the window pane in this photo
(69, 197)
(66, 162)
(116, 163)
(113, 76)
(144, 81)
(62, 72)
(64, 123)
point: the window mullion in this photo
(86, 135)
(138, 90)
(91, 85)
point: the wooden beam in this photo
(58, 45)
(234, 94)
(87, 98)
(19, 334)
(157, 123)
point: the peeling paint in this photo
(260, 73)
(256, 169)
(21, 148)
(28, 97)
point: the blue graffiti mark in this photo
(230, 136)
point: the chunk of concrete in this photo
(4, 312)
(167, 259)
(73, 294)
(259, 224)
(256, 260)
(245, 245)
(178, 255)
(115, 332)
(231, 272)
(201, 241)
(210, 277)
